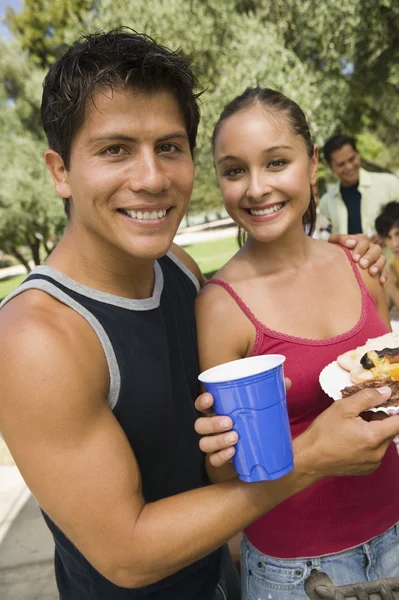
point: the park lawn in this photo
(9, 285)
(210, 256)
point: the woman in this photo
(285, 292)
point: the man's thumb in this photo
(368, 398)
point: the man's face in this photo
(131, 173)
(345, 163)
(392, 240)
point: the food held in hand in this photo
(394, 385)
(377, 360)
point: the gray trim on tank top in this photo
(84, 290)
(55, 292)
(185, 269)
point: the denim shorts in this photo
(267, 578)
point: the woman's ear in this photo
(314, 161)
(58, 172)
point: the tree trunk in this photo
(35, 249)
(47, 249)
(14, 252)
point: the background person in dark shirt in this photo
(353, 204)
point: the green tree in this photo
(31, 215)
(43, 27)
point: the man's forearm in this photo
(174, 532)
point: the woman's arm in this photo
(223, 335)
(379, 295)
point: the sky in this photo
(16, 5)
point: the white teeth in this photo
(147, 216)
(266, 211)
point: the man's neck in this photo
(124, 276)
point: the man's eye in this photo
(113, 150)
(167, 148)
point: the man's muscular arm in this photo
(79, 465)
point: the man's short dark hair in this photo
(388, 218)
(336, 142)
(119, 58)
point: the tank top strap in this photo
(245, 309)
(355, 268)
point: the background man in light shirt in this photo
(353, 204)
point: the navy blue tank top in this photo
(150, 347)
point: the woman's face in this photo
(264, 172)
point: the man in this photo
(353, 204)
(98, 355)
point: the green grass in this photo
(8, 285)
(210, 256)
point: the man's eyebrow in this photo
(271, 149)
(113, 137)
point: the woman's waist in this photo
(338, 502)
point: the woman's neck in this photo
(290, 251)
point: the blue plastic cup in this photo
(252, 392)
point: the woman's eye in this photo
(233, 172)
(278, 162)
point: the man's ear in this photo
(58, 172)
(313, 166)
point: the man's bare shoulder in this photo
(40, 335)
(189, 262)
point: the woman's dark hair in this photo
(388, 218)
(336, 142)
(119, 58)
(275, 102)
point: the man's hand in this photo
(339, 442)
(364, 251)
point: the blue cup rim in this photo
(242, 368)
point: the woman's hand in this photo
(218, 439)
(364, 252)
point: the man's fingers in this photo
(361, 246)
(204, 402)
(367, 398)
(209, 425)
(387, 429)
(373, 259)
(215, 443)
(378, 266)
(340, 238)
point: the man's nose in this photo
(148, 174)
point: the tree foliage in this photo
(42, 26)
(339, 61)
(31, 215)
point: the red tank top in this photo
(336, 513)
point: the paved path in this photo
(26, 558)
